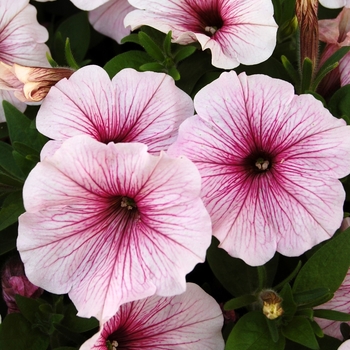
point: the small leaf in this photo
(131, 38)
(327, 267)
(288, 304)
(239, 302)
(151, 47)
(130, 59)
(306, 76)
(184, 52)
(310, 295)
(293, 74)
(153, 67)
(251, 332)
(332, 315)
(174, 73)
(317, 329)
(299, 330)
(69, 56)
(167, 44)
(339, 104)
(11, 209)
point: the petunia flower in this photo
(335, 4)
(108, 19)
(335, 33)
(110, 224)
(143, 107)
(30, 84)
(234, 31)
(21, 41)
(270, 163)
(14, 281)
(345, 345)
(192, 320)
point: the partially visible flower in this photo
(270, 162)
(21, 41)
(235, 31)
(191, 320)
(108, 19)
(30, 84)
(335, 4)
(14, 281)
(335, 33)
(110, 224)
(345, 346)
(142, 107)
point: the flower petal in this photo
(108, 19)
(192, 319)
(76, 238)
(144, 107)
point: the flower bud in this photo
(30, 84)
(14, 281)
(271, 302)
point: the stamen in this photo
(128, 203)
(211, 30)
(114, 345)
(262, 164)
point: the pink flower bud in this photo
(14, 281)
(30, 84)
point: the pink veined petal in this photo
(339, 302)
(236, 32)
(191, 320)
(74, 239)
(144, 107)
(255, 214)
(9, 96)
(22, 38)
(344, 70)
(88, 5)
(108, 19)
(345, 345)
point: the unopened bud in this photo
(14, 281)
(271, 303)
(30, 84)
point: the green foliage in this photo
(252, 333)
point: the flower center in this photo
(128, 203)
(112, 345)
(262, 164)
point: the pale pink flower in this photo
(345, 346)
(192, 320)
(143, 107)
(339, 302)
(108, 19)
(14, 281)
(110, 224)
(335, 4)
(335, 33)
(270, 163)
(21, 41)
(235, 31)
(30, 84)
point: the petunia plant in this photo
(175, 174)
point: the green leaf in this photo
(8, 238)
(239, 302)
(78, 324)
(299, 330)
(252, 333)
(130, 59)
(339, 104)
(307, 313)
(151, 47)
(16, 333)
(7, 163)
(293, 74)
(29, 307)
(273, 329)
(11, 209)
(131, 38)
(174, 73)
(289, 278)
(184, 52)
(153, 67)
(77, 29)
(317, 329)
(69, 56)
(311, 295)
(327, 267)
(22, 129)
(306, 76)
(67, 333)
(330, 64)
(288, 304)
(332, 315)
(3, 131)
(167, 44)
(26, 164)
